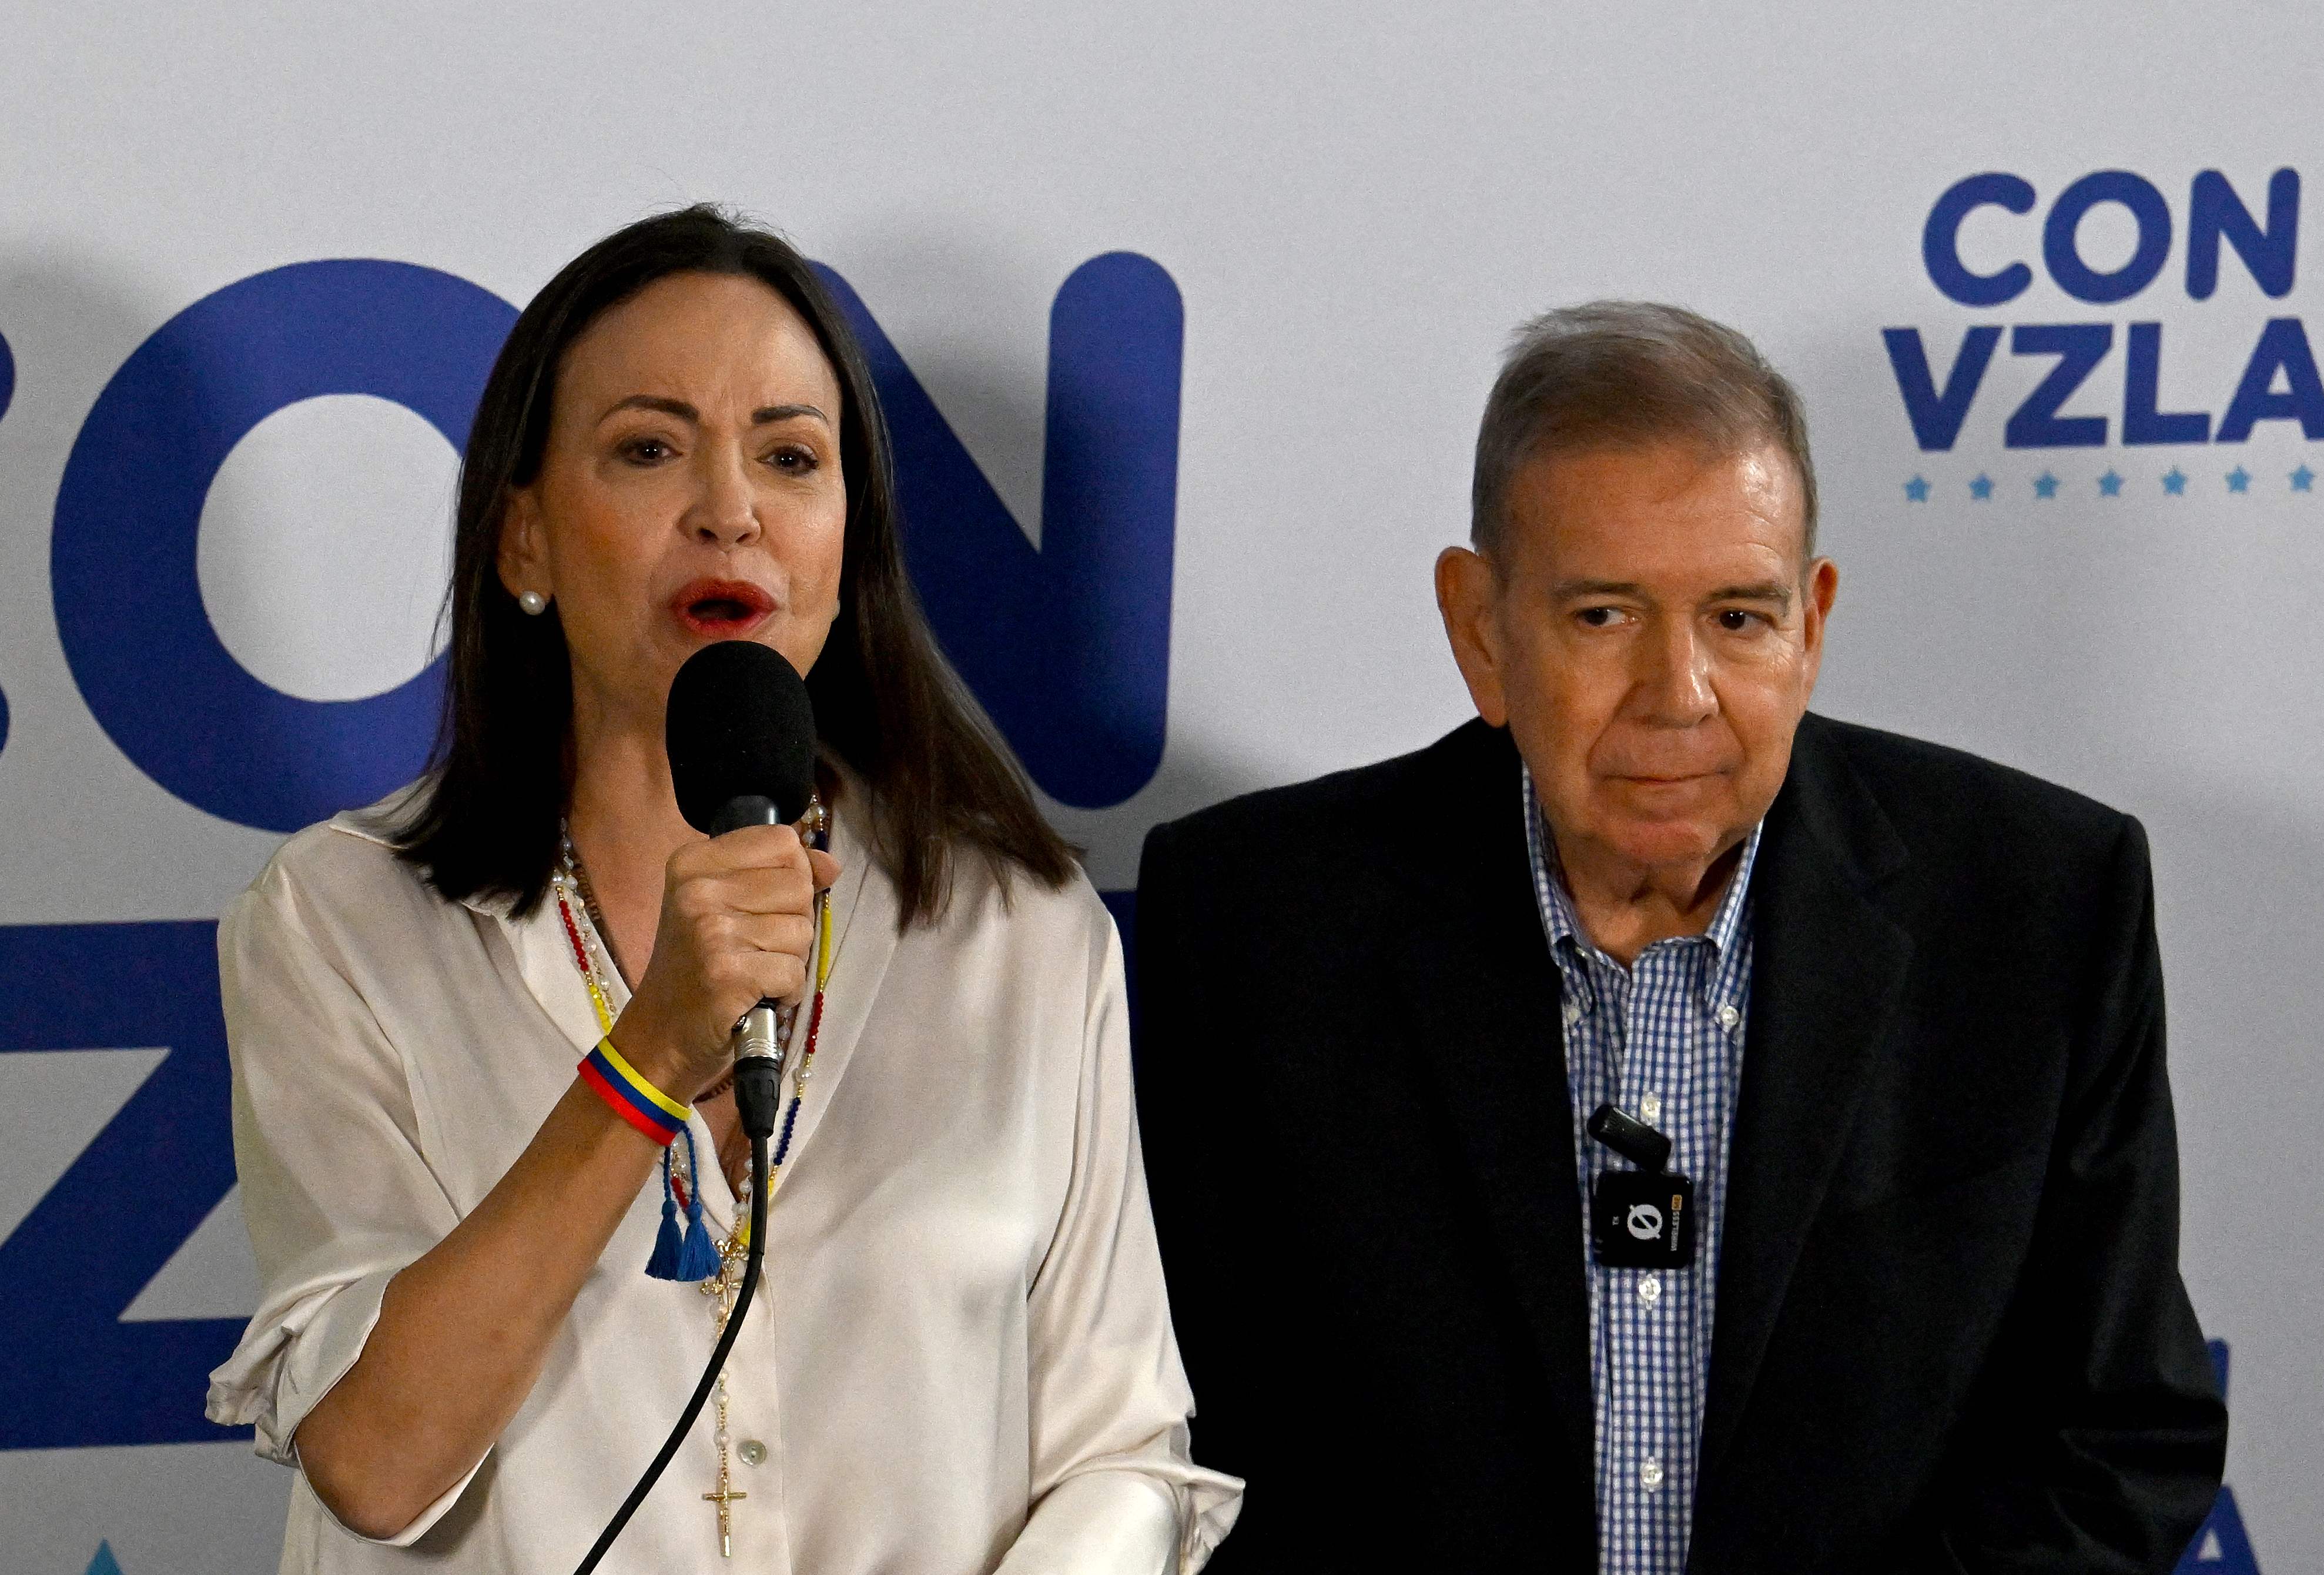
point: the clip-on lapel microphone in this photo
(1642, 1218)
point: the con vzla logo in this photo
(1939, 373)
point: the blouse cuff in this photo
(1127, 1521)
(1208, 1503)
(285, 1366)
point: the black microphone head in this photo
(740, 726)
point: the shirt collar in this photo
(1564, 929)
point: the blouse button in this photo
(753, 1451)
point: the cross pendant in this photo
(724, 1498)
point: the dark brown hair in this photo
(1615, 373)
(485, 821)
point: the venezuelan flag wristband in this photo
(633, 1099)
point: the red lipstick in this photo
(721, 610)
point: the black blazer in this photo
(1951, 1332)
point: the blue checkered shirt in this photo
(1662, 1040)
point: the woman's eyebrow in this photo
(677, 407)
(783, 413)
(684, 412)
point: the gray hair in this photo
(1617, 373)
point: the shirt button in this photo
(1650, 1289)
(1650, 1475)
(1650, 1107)
(753, 1451)
(1573, 1012)
(1729, 1017)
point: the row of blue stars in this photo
(2110, 485)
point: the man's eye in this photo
(1735, 620)
(1598, 617)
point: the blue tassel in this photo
(695, 1257)
(668, 1256)
(698, 1259)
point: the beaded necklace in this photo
(692, 1258)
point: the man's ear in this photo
(523, 560)
(1821, 585)
(1468, 597)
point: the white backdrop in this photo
(1355, 206)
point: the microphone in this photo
(740, 730)
(740, 736)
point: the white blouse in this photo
(960, 1358)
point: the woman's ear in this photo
(523, 560)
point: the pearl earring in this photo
(532, 602)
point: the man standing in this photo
(1654, 1129)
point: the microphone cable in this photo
(758, 1090)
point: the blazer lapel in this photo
(1827, 969)
(1487, 996)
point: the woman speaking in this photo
(489, 1150)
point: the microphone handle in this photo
(758, 1047)
(754, 1035)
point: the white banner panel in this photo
(2041, 273)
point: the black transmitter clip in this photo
(1642, 1218)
